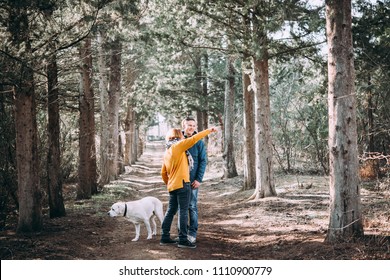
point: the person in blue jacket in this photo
(199, 155)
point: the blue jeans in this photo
(178, 200)
(193, 214)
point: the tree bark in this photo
(121, 154)
(205, 93)
(129, 133)
(229, 169)
(103, 90)
(136, 145)
(27, 159)
(201, 113)
(249, 129)
(87, 151)
(263, 137)
(370, 118)
(345, 221)
(113, 107)
(29, 193)
(54, 176)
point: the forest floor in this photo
(291, 226)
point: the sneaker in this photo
(164, 242)
(186, 244)
(191, 238)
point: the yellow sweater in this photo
(175, 167)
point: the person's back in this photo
(175, 169)
(175, 174)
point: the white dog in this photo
(140, 211)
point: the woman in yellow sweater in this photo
(175, 172)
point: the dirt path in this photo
(289, 226)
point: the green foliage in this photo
(8, 175)
(371, 33)
(173, 72)
(171, 47)
(299, 116)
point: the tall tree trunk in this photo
(87, 151)
(130, 120)
(370, 118)
(345, 214)
(249, 128)
(29, 193)
(113, 107)
(222, 125)
(135, 145)
(129, 132)
(229, 168)
(204, 123)
(54, 176)
(199, 120)
(201, 84)
(121, 154)
(103, 90)
(265, 186)
(27, 160)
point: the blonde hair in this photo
(174, 133)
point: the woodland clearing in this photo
(291, 226)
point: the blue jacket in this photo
(198, 153)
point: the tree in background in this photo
(265, 185)
(87, 151)
(229, 167)
(371, 46)
(38, 56)
(249, 159)
(117, 28)
(299, 115)
(54, 176)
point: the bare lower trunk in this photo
(249, 130)
(345, 214)
(103, 90)
(135, 146)
(113, 108)
(121, 153)
(203, 122)
(263, 141)
(27, 160)
(230, 170)
(87, 153)
(29, 194)
(129, 133)
(370, 117)
(54, 176)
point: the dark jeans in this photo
(193, 214)
(193, 229)
(178, 199)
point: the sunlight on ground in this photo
(161, 254)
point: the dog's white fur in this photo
(143, 210)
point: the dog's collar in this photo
(124, 215)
